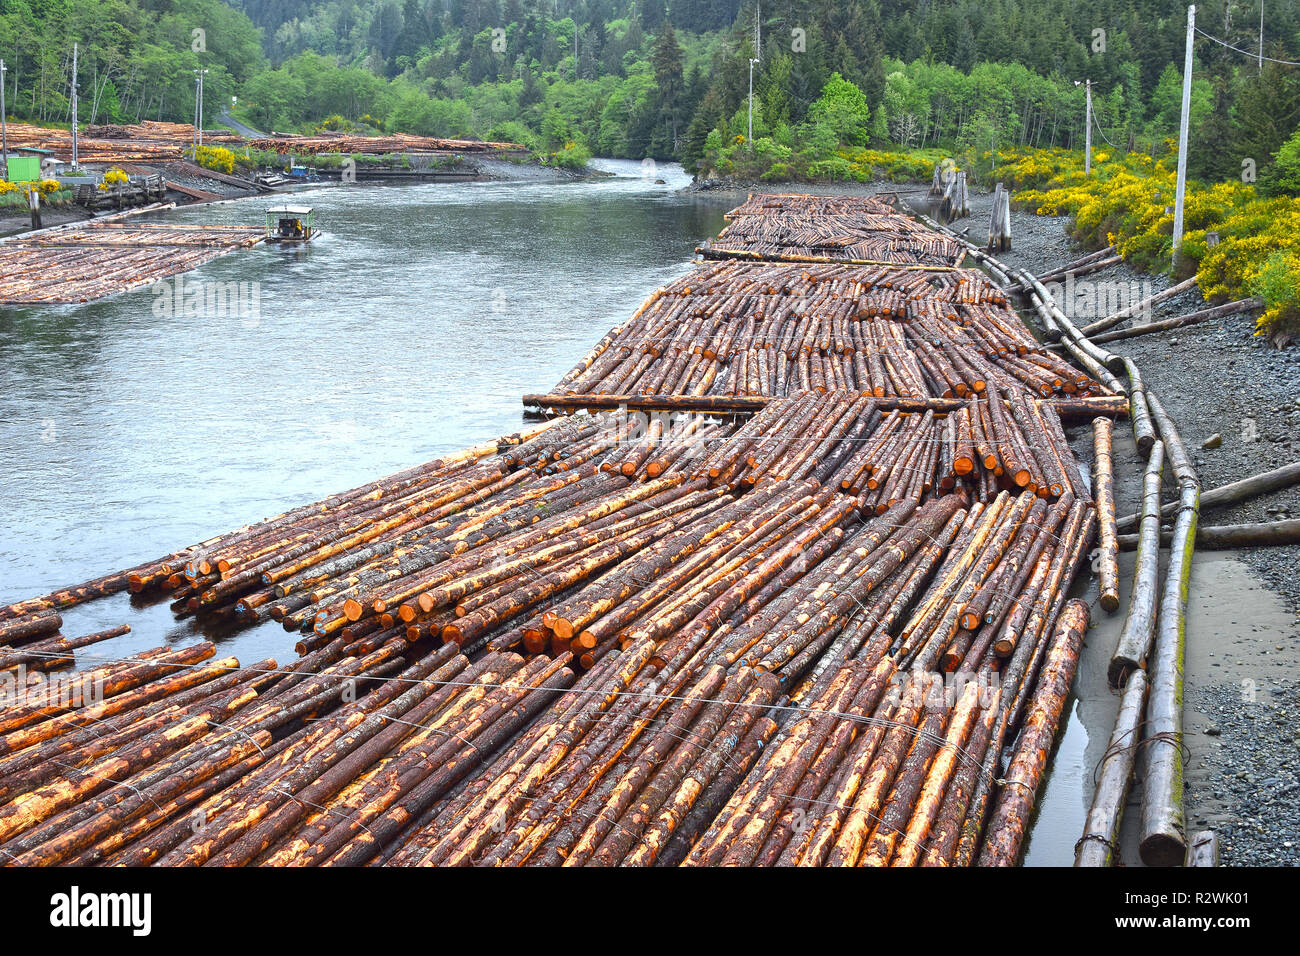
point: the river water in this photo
(408, 329)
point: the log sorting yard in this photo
(794, 568)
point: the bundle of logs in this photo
(95, 259)
(1147, 664)
(768, 330)
(93, 150)
(797, 228)
(832, 628)
(847, 440)
(182, 134)
(784, 625)
(291, 144)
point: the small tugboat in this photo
(291, 224)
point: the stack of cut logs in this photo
(796, 228)
(847, 441)
(181, 134)
(291, 144)
(92, 150)
(90, 260)
(810, 636)
(740, 623)
(768, 330)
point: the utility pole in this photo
(74, 106)
(1261, 36)
(4, 127)
(198, 107)
(1182, 132)
(752, 61)
(1087, 138)
(758, 47)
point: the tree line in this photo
(637, 78)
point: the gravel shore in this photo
(1243, 642)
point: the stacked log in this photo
(91, 149)
(846, 440)
(182, 134)
(286, 767)
(96, 259)
(716, 633)
(645, 781)
(792, 581)
(290, 144)
(800, 228)
(1148, 660)
(763, 330)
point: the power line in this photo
(1253, 56)
(1103, 132)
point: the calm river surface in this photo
(409, 329)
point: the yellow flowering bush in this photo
(114, 177)
(1123, 203)
(217, 158)
(46, 187)
(865, 164)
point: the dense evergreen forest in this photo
(670, 78)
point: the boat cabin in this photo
(291, 224)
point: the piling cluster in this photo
(829, 629)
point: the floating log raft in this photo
(713, 630)
(799, 228)
(97, 258)
(1149, 655)
(660, 586)
(769, 330)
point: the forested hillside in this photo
(658, 77)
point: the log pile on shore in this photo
(799, 228)
(93, 150)
(292, 144)
(833, 629)
(159, 131)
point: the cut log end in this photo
(1163, 849)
